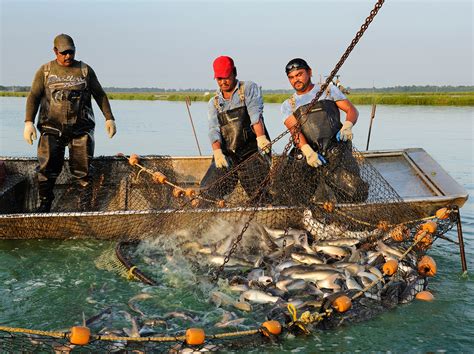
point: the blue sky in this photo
(171, 44)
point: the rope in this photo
(33, 331)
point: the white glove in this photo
(219, 159)
(110, 128)
(29, 133)
(263, 144)
(346, 131)
(312, 158)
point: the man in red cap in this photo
(62, 90)
(236, 132)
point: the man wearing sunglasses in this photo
(62, 91)
(322, 138)
(236, 132)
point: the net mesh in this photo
(277, 233)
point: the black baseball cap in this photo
(295, 64)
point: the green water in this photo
(49, 284)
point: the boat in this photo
(122, 208)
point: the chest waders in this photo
(339, 180)
(65, 119)
(238, 143)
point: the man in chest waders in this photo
(236, 132)
(62, 91)
(331, 172)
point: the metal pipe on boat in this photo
(188, 103)
(461, 240)
(372, 116)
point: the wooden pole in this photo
(372, 116)
(188, 103)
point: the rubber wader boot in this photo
(46, 196)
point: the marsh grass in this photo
(411, 98)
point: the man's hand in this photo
(29, 133)
(110, 128)
(346, 131)
(312, 158)
(219, 159)
(263, 144)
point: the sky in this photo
(172, 44)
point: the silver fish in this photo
(306, 258)
(258, 296)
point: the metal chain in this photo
(295, 133)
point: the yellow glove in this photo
(263, 144)
(346, 131)
(219, 159)
(29, 133)
(312, 158)
(110, 128)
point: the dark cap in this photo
(223, 66)
(63, 42)
(295, 64)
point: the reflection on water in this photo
(37, 271)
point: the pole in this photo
(188, 103)
(461, 241)
(372, 116)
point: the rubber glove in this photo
(346, 131)
(29, 133)
(110, 128)
(312, 157)
(219, 159)
(263, 144)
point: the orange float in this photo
(383, 225)
(134, 159)
(390, 267)
(425, 240)
(442, 213)
(191, 193)
(195, 203)
(221, 203)
(399, 233)
(273, 327)
(158, 177)
(328, 206)
(195, 336)
(178, 193)
(342, 303)
(427, 266)
(429, 226)
(80, 335)
(424, 296)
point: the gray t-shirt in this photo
(300, 100)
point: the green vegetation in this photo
(358, 98)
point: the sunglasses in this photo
(66, 52)
(295, 66)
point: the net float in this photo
(191, 193)
(178, 193)
(134, 159)
(80, 335)
(195, 336)
(400, 233)
(390, 267)
(424, 240)
(273, 327)
(158, 177)
(429, 226)
(342, 303)
(383, 225)
(195, 203)
(221, 203)
(442, 213)
(424, 296)
(328, 206)
(427, 266)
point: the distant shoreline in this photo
(358, 98)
